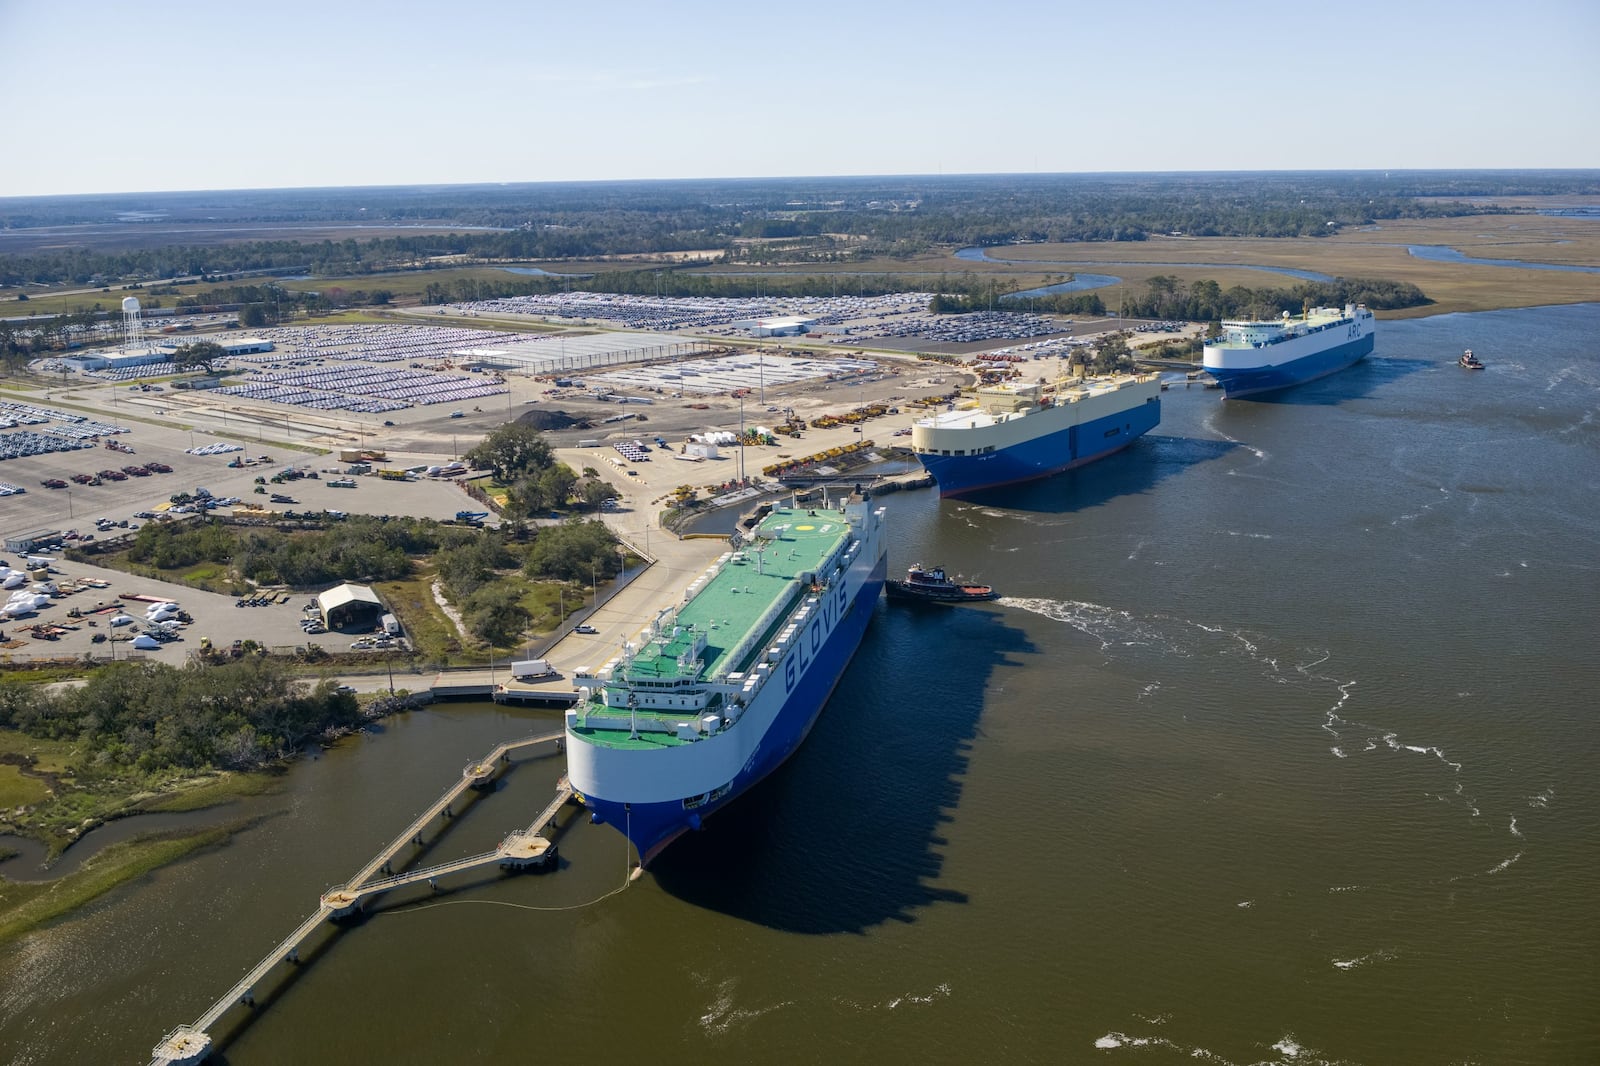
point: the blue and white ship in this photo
(719, 689)
(1017, 431)
(1254, 357)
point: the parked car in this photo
(585, 628)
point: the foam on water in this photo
(1114, 628)
(722, 1015)
(1118, 629)
(907, 999)
(1114, 1040)
(1380, 955)
(939, 992)
(1211, 424)
(1506, 865)
(1107, 625)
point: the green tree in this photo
(573, 551)
(594, 492)
(512, 452)
(550, 489)
(495, 613)
(201, 355)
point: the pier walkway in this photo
(477, 774)
(191, 1043)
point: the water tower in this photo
(132, 323)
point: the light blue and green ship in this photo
(717, 690)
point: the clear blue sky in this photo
(106, 97)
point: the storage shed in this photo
(348, 606)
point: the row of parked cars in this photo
(109, 474)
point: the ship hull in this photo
(1051, 453)
(1240, 381)
(651, 825)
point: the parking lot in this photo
(215, 617)
(186, 432)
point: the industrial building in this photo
(350, 607)
(788, 326)
(164, 352)
(30, 542)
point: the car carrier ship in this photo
(1016, 431)
(1253, 357)
(719, 689)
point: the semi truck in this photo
(531, 669)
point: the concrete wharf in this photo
(522, 848)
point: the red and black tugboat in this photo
(932, 586)
(1469, 361)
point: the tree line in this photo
(896, 217)
(148, 718)
(1168, 297)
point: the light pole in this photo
(561, 601)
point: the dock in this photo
(499, 686)
(523, 848)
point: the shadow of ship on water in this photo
(846, 835)
(1139, 468)
(1355, 382)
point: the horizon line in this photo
(938, 176)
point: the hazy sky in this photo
(104, 97)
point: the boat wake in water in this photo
(1124, 636)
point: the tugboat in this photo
(1469, 361)
(932, 586)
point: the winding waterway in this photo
(1279, 748)
(1439, 253)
